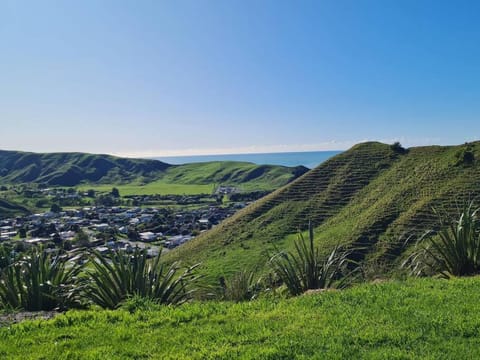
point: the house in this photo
(177, 240)
(148, 236)
(123, 230)
(102, 227)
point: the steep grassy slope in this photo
(421, 319)
(70, 169)
(368, 196)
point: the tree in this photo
(81, 239)
(91, 193)
(22, 232)
(115, 193)
(133, 235)
(465, 156)
(55, 208)
(398, 148)
(57, 239)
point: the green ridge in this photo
(370, 196)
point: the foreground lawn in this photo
(435, 319)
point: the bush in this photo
(465, 156)
(305, 269)
(240, 287)
(452, 251)
(39, 281)
(398, 148)
(118, 275)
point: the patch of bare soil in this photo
(13, 318)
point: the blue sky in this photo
(145, 78)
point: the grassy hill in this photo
(71, 169)
(8, 209)
(372, 196)
(427, 318)
(248, 175)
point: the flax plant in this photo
(242, 286)
(40, 281)
(305, 269)
(452, 251)
(117, 276)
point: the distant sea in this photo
(309, 159)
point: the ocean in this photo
(309, 159)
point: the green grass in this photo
(246, 176)
(157, 187)
(417, 319)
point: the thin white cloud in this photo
(323, 146)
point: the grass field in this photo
(156, 187)
(427, 318)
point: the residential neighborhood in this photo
(103, 228)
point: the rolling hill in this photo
(8, 209)
(372, 196)
(72, 169)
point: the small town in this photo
(116, 227)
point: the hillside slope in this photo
(71, 169)
(8, 209)
(370, 196)
(252, 176)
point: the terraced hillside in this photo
(372, 196)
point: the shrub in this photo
(305, 269)
(465, 156)
(120, 275)
(398, 148)
(242, 286)
(452, 251)
(40, 281)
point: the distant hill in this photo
(372, 196)
(71, 169)
(8, 209)
(249, 175)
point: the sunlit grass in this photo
(153, 188)
(424, 318)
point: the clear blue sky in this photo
(167, 77)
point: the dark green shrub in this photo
(242, 286)
(40, 281)
(452, 251)
(306, 269)
(119, 275)
(398, 148)
(465, 156)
